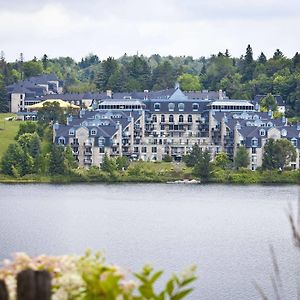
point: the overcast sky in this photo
(178, 27)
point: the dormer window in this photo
(283, 132)
(262, 132)
(181, 107)
(195, 106)
(294, 142)
(254, 142)
(72, 131)
(61, 140)
(93, 131)
(157, 107)
(269, 124)
(171, 106)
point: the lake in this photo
(225, 230)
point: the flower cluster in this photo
(90, 277)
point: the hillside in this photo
(8, 130)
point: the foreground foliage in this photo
(89, 277)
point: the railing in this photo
(31, 285)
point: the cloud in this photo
(190, 27)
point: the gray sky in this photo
(177, 27)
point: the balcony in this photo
(87, 161)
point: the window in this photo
(154, 118)
(144, 149)
(171, 118)
(190, 118)
(101, 150)
(162, 118)
(283, 132)
(254, 142)
(93, 132)
(171, 106)
(71, 131)
(181, 107)
(195, 106)
(101, 142)
(180, 118)
(262, 132)
(253, 150)
(154, 149)
(61, 140)
(156, 106)
(294, 142)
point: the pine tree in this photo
(277, 54)
(241, 159)
(249, 55)
(45, 61)
(56, 160)
(262, 59)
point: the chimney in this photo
(109, 93)
(220, 95)
(146, 92)
(56, 125)
(270, 113)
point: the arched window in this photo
(180, 118)
(195, 106)
(71, 131)
(190, 118)
(171, 106)
(171, 118)
(162, 118)
(181, 107)
(154, 118)
(156, 106)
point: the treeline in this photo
(241, 78)
(34, 153)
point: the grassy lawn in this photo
(8, 130)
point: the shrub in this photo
(89, 277)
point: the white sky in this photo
(177, 27)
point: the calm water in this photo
(225, 230)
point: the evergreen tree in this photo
(69, 159)
(56, 160)
(249, 55)
(108, 164)
(3, 97)
(277, 54)
(296, 61)
(262, 59)
(202, 167)
(192, 158)
(241, 159)
(16, 161)
(45, 62)
(278, 154)
(31, 143)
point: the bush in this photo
(88, 277)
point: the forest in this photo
(241, 78)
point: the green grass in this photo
(8, 131)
